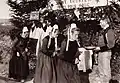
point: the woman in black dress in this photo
(67, 71)
(45, 68)
(18, 65)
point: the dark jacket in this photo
(106, 42)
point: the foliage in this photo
(21, 11)
(21, 14)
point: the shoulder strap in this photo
(105, 40)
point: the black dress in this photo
(45, 68)
(67, 71)
(18, 65)
(115, 62)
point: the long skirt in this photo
(18, 67)
(45, 70)
(67, 72)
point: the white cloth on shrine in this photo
(37, 33)
(85, 59)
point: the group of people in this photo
(57, 64)
(18, 64)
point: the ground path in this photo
(93, 77)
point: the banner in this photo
(30, 0)
(70, 4)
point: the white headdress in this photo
(25, 29)
(77, 13)
(55, 27)
(73, 25)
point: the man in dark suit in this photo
(106, 42)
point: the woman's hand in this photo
(54, 53)
(97, 48)
(26, 49)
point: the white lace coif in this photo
(73, 25)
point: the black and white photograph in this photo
(59, 41)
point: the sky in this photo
(4, 10)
